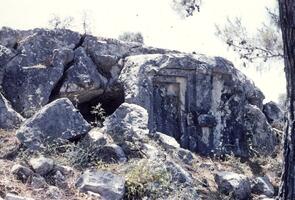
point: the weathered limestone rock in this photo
(106, 184)
(186, 156)
(82, 81)
(106, 53)
(95, 138)
(150, 151)
(57, 120)
(9, 118)
(237, 184)
(21, 172)
(29, 88)
(261, 136)
(262, 185)
(167, 141)
(59, 180)
(42, 165)
(128, 122)
(65, 170)
(30, 76)
(178, 173)
(6, 55)
(9, 144)
(273, 113)
(199, 101)
(38, 182)
(110, 153)
(204, 103)
(10, 37)
(54, 193)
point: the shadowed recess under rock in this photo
(109, 101)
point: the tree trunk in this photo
(287, 20)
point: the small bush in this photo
(131, 37)
(146, 179)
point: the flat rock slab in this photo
(57, 120)
(106, 184)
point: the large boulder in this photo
(82, 81)
(128, 126)
(106, 184)
(57, 120)
(128, 122)
(200, 101)
(234, 184)
(9, 118)
(31, 75)
(261, 136)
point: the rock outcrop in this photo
(204, 103)
(32, 74)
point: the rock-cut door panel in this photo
(170, 103)
(166, 108)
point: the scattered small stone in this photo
(233, 183)
(209, 166)
(38, 182)
(150, 151)
(167, 141)
(59, 180)
(106, 184)
(178, 173)
(65, 170)
(185, 155)
(21, 172)
(111, 153)
(95, 137)
(9, 146)
(54, 193)
(42, 165)
(262, 185)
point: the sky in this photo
(160, 25)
